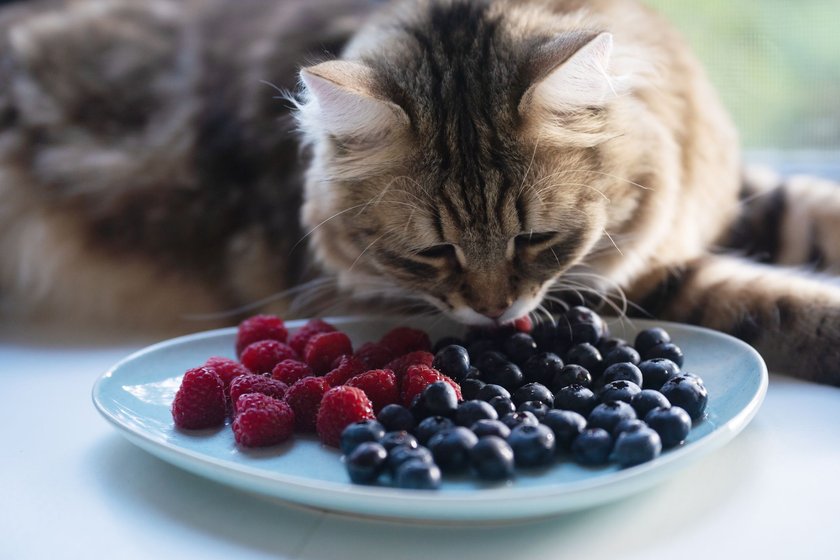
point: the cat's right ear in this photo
(342, 98)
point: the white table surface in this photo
(72, 487)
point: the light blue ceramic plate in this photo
(136, 394)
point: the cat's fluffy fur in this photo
(476, 155)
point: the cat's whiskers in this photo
(528, 169)
(610, 237)
(311, 231)
(365, 250)
(618, 177)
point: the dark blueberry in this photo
(440, 398)
(647, 400)
(503, 405)
(419, 409)
(492, 458)
(587, 325)
(396, 417)
(470, 388)
(621, 354)
(478, 349)
(666, 350)
(619, 391)
(533, 392)
(649, 338)
(366, 462)
(607, 344)
(447, 341)
(499, 371)
(608, 414)
(576, 398)
(470, 412)
(587, 356)
(627, 425)
(451, 448)
(520, 347)
(571, 374)
(592, 447)
(476, 334)
(634, 447)
(672, 424)
(553, 337)
(418, 475)
(360, 432)
(657, 371)
(491, 390)
(393, 439)
(537, 408)
(515, 419)
(688, 394)
(693, 376)
(473, 373)
(532, 445)
(430, 426)
(623, 371)
(402, 453)
(484, 428)
(566, 425)
(542, 368)
(453, 361)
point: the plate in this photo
(135, 395)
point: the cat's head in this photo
(458, 157)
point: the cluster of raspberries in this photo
(311, 381)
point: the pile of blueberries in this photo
(566, 389)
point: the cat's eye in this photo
(439, 251)
(534, 239)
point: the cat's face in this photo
(472, 188)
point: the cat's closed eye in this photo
(437, 252)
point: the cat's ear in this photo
(569, 72)
(344, 100)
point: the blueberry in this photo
(359, 432)
(447, 341)
(393, 439)
(453, 361)
(430, 426)
(553, 337)
(366, 462)
(657, 371)
(491, 390)
(402, 453)
(396, 417)
(470, 412)
(503, 405)
(451, 448)
(571, 374)
(470, 388)
(647, 400)
(649, 338)
(592, 447)
(622, 371)
(566, 425)
(672, 424)
(492, 458)
(515, 419)
(634, 447)
(627, 425)
(622, 354)
(418, 475)
(490, 363)
(418, 408)
(537, 408)
(688, 394)
(519, 347)
(619, 391)
(508, 375)
(587, 326)
(477, 349)
(605, 345)
(484, 428)
(440, 399)
(576, 398)
(532, 446)
(665, 350)
(533, 392)
(608, 414)
(542, 368)
(585, 355)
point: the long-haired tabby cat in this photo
(474, 155)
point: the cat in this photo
(476, 157)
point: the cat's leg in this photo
(792, 318)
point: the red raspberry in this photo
(227, 369)
(200, 400)
(262, 356)
(262, 421)
(307, 331)
(305, 397)
(260, 327)
(289, 371)
(340, 407)
(403, 340)
(400, 365)
(523, 324)
(418, 377)
(380, 385)
(374, 354)
(323, 349)
(256, 384)
(344, 368)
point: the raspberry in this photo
(403, 340)
(227, 369)
(322, 349)
(307, 331)
(380, 385)
(256, 384)
(262, 421)
(418, 377)
(262, 356)
(400, 365)
(374, 354)
(260, 327)
(523, 324)
(289, 371)
(305, 397)
(340, 407)
(344, 368)
(200, 400)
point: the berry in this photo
(310, 329)
(380, 385)
(586, 325)
(585, 355)
(257, 328)
(523, 324)
(666, 350)
(374, 355)
(256, 384)
(360, 432)
(672, 424)
(515, 419)
(688, 394)
(452, 361)
(532, 446)
(305, 396)
(289, 371)
(447, 341)
(430, 426)
(492, 458)
(576, 398)
(542, 368)
(262, 356)
(393, 439)
(344, 369)
(340, 407)
(403, 453)
(533, 392)
(227, 369)
(621, 354)
(400, 365)
(649, 338)
(418, 377)
(366, 462)
(657, 371)
(503, 405)
(490, 390)
(537, 408)
(484, 428)
(470, 412)
(451, 448)
(622, 371)
(440, 399)
(200, 400)
(262, 421)
(480, 347)
(498, 370)
(619, 391)
(634, 447)
(647, 400)
(519, 347)
(627, 425)
(605, 345)
(592, 447)
(566, 425)
(323, 349)
(396, 417)
(571, 374)
(418, 475)
(608, 414)
(403, 340)
(470, 388)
